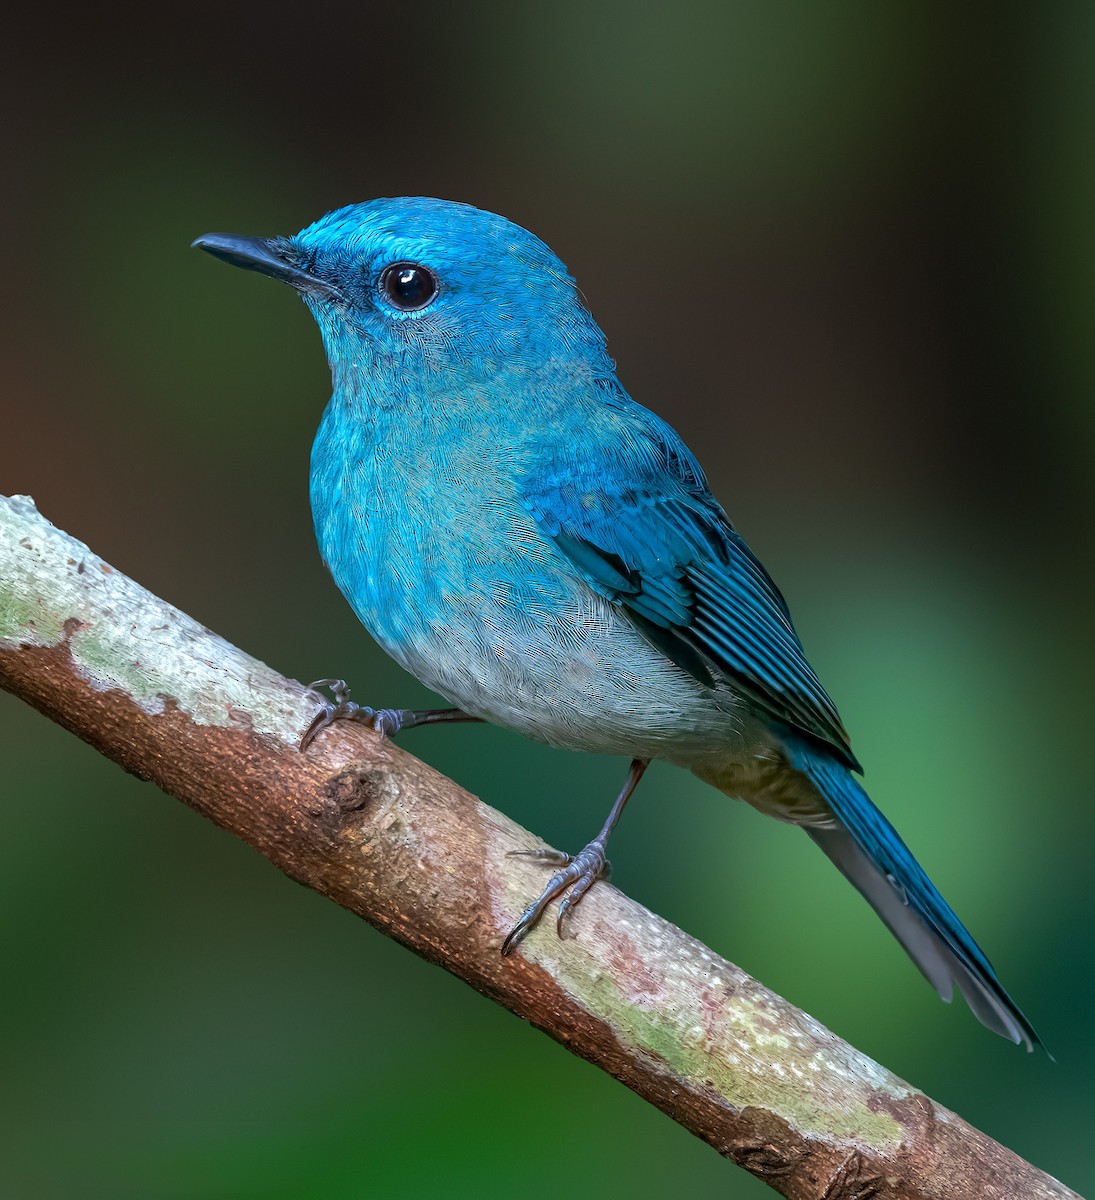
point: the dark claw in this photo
(577, 875)
(386, 721)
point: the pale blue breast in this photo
(423, 533)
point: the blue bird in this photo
(544, 552)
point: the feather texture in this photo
(546, 553)
(643, 530)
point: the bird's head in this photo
(423, 282)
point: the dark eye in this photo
(408, 286)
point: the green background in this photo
(848, 251)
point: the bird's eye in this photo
(408, 286)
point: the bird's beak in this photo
(268, 256)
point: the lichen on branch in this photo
(382, 834)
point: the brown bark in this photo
(361, 821)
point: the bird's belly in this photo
(547, 656)
(471, 599)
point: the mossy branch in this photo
(361, 821)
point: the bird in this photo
(545, 553)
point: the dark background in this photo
(848, 251)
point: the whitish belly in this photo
(568, 670)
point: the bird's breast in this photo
(433, 549)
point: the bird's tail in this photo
(868, 851)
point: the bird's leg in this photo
(578, 872)
(386, 721)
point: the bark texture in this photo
(366, 824)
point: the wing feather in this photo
(650, 537)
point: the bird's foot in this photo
(576, 875)
(386, 721)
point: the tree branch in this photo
(361, 821)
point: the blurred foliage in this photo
(847, 250)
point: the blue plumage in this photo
(651, 536)
(871, 854)
(544, 552)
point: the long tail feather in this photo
(867, 850)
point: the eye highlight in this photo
(408, 286)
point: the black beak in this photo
(268, 256)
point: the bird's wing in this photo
(644, 531)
